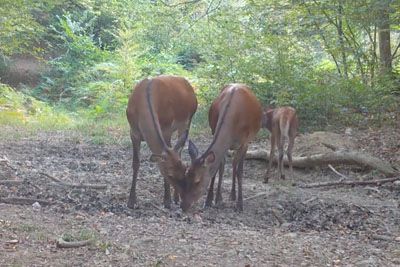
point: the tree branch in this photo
(351, 183)
(61, 183)
(180, 4)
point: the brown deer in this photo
(156, 109)
(282, 123)
(235, 119)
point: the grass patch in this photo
(83, 234)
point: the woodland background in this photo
(68, 64)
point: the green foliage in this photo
(17, 108)
(318, 56)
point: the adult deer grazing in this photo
(282, 123)
(235, 119)
(156, 109)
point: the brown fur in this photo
(172, 105)
(235, 119)
(283, 124)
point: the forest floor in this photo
(285, 225)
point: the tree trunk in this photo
(385, 54)
(341, 39)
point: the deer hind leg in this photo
(289, 155)
(271, 157)
(167, 188)
(280, 156)
(218, 198)
(135, 138)
(234, 170)
(240, 161)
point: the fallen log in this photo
(334, 157)
(344, 183)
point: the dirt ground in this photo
(284, 225)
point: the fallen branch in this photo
(344, 183)
(73, 185)
(61, 243)
(335, 157)
(338, 173)
(18, 182)
(278, 216)
(385, 237)
(255, 196)
(11, 182)
(24, 201)
(160, 209)
(6, 161)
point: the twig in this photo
(17, 182)
(309, 200)
(7, 162)
(157, 207)
(61, 243)
(91, 186)
(74, 185)
(24, 201)
(338, 173)
(278, 216)
(344, 183)
(51, 177)
(255, 196)
(385, 238)
(376, 190)
(11, 182)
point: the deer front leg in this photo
(210, 193)
(167, 194)
(218, 198)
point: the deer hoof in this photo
(131, 203)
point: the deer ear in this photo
(155, 158)
(193, 151)
(159, 157)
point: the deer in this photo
(235, 118)
(282, 123)
(157, 108)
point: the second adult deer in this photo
(235, 119)
(282, 123)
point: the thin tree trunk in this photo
(385, 54)
(341, 39)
